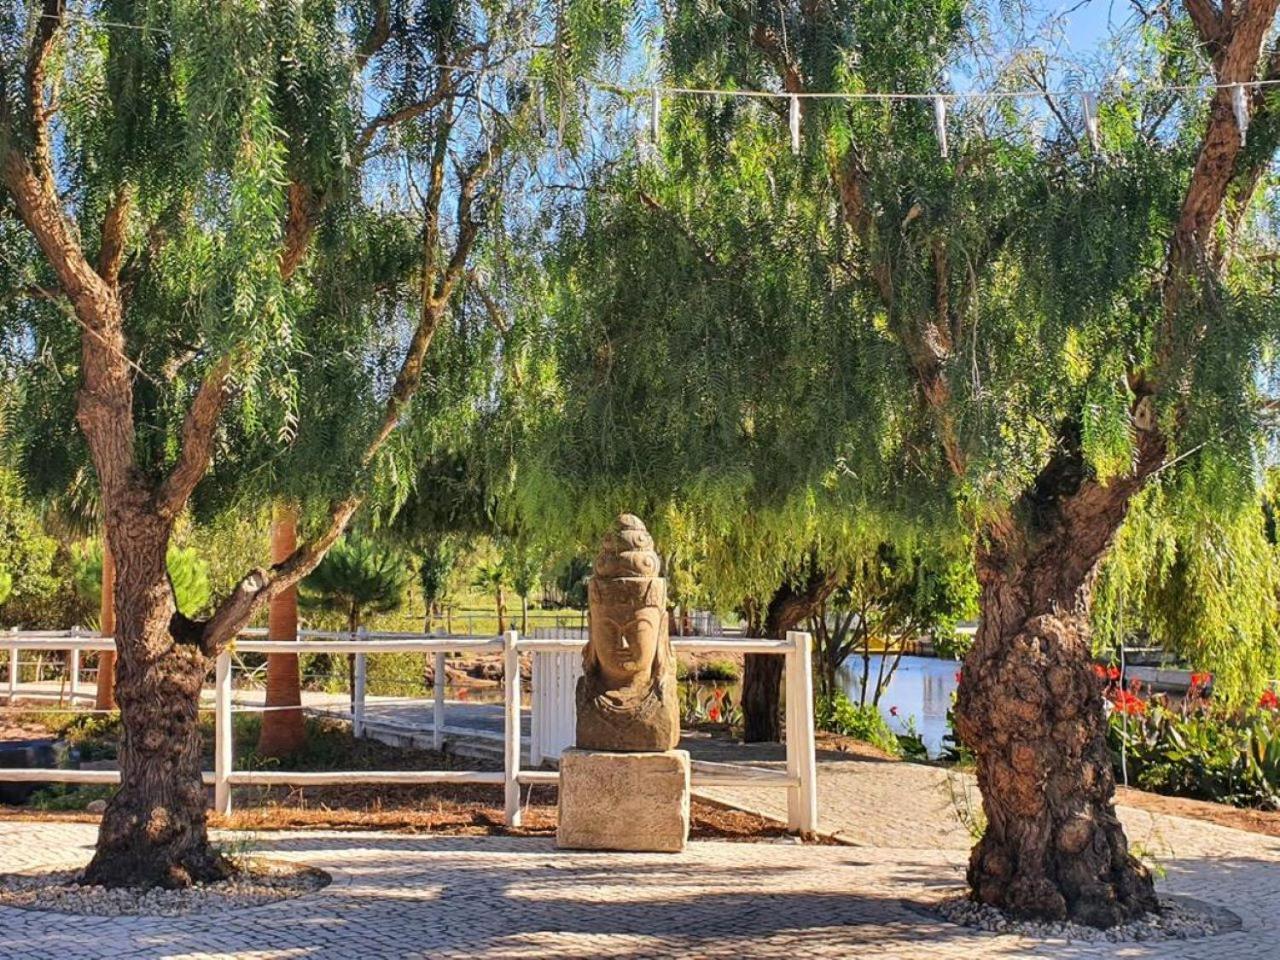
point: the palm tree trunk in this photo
(106, 696)
(283, 731)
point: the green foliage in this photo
(714, 704)
(1199, 579)
(1205, 753)
(710, 671)
(226, 124)
(435, 564)
(359, 576)
(6, 584)
(27, 553)
(839, 714)
(188, 573)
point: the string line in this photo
(669, 91)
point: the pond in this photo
(921, 691)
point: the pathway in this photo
(397, 895)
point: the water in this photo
(921, 691)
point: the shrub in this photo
(1200, 751)
(863, 722)
(710, 671)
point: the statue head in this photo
(627, 647)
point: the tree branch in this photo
(400, 116)
(199, 427)
(261, 586)
(114, 226)
(378, 36)
(1208, 23)
(704, 254)
(47, 26)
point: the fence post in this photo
(357, 713)
(222, 734)
(802, 800)
(73, 668)
(13, 670)
(437, 708)
(511, 745)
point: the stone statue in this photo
(627, 698)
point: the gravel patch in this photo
(1181, 918)
(258, 882)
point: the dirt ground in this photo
(477, 809)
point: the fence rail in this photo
(800, 778)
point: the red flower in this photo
(714, 714)
(718, 693)
(1100, 671)
(1201, 679)
(1129, 703)
(1135, 685)
(1113, 673)
(959, 674)
(1269, 700)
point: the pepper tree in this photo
(243, 225)
(1026, 333)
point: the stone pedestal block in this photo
(624, 801)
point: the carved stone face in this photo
(625, 640)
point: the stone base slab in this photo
(624, 801)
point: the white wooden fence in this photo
(554, 679)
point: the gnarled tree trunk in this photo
(790, 606)
(153, 831)
(1031, 707)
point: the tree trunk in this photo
(502, 611)
(153, 831)
(1031, 708)
(283, 732)
(762, 672)
(106, 696)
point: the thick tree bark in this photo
(790, 605)
(153, 831)
(1031, 708)
(283, 732)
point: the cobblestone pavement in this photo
(398, 895)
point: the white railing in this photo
(800, 778)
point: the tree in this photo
(247, 284)
(435, 566)
(1036, 328)
(890, 598)
(283, 731)
(492, 576)
(357, 577)
(26, 552)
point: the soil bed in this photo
(256, 882)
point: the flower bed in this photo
(1194, 748)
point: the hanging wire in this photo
(668, 91)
